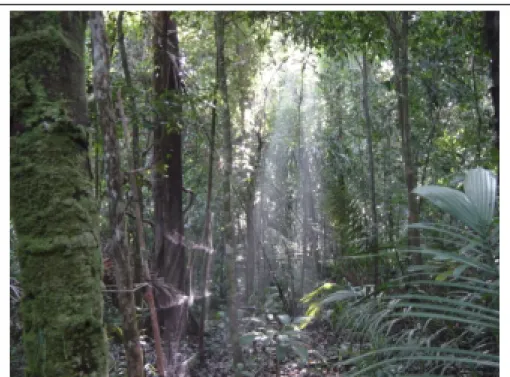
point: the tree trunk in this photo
(208, 239)
(137, 255)
(167, 186)
(388, 194)
(312, 234)
(400, 62)
(53, 207)
(230, 252)
(303, 175)
(243, 83)
(250, 241)
(492, 35)
(410, 169)
(117, 205)
(140, 238)
(336, 116)
(263, 274)
(374, 236)
(250, 219)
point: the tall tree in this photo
(374, 233)
(303, 171)
(137, 255)
(140, 238)
(52, 204)
(208, 238)
(116, 204)
(167, 185)
(228, 224)
(492, 35)
(250, 218)
(398, 24)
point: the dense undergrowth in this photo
(438, 319)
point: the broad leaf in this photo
(480, 188)
(248, 338)
(301, 351)
(453, 202)
(284, 319)
(340, 296)
(281, 352)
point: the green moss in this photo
(58, 250)
(39, 42)
(53, 213)
(52, 205)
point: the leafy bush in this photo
(284, 340)
(441, 318)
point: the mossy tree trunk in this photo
(52, 203)
(116, 202)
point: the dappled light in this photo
(254, 193)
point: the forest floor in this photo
(260, 360)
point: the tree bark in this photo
(117, 205)
(53, 208)
(400, 62)
(167, 186)
(135, 147)
(374, 236)
(410, 169)
(303, 175)
(250, 219)
(140, 238)
(492, 35)
(208, 239)
(230, 250)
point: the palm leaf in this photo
(451, 201)
(455, 294)
(475, 207)
(480, 188)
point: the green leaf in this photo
(281, 352)
(460, 314)
(247, 339)
(445, 255)
(301, 351)
(284, 319)
(340, 296)
(301, 320)
(459, 270)
(446, 301)
(444, 275)
(480, 188)
(396, 355)
(449, 318)
(475, 207)
(451, 201)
